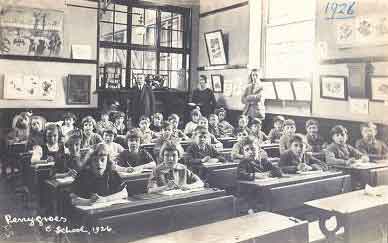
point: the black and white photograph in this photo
(187, 121)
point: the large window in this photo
(146, 39)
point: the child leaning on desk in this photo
(97, 182)
(253, 166)
(341, 153)
(368, 144)
(296, 159)
(170, 174)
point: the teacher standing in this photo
(204, 97)
(143, 100)
(253, 97)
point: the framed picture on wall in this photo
(217, 83)
(78, 89)
(215, 48)
(334, 87)
(379, 88)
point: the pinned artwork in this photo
(29, 87)
(31, 31)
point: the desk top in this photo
(291, 179)
(365, 166)
(231, 230)
(150, 201)
(351, 202)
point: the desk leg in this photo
(330, 234)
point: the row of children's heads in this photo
(213, 118)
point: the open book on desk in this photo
(98, 205)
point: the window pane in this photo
(137, 16)
(177, 22)
(143, 60)
(170, 61)
(106, 55)
(107, 16)
(123, 75)
(150, 36)
(150, 17)
(120, 33)
(166, 20)
(120, 18)
(120, 56)
(166, 37)
(177, 39)
(106, 32)
(137, 59)
(121, 8)
(138, 34)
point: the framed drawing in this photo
(31, 32)
(269, 90)
(78, 89)
(302, 90)
(334, 87)
(29, 87)
(112, 75)
(379, 88)
(217, 83)
(215, 48)
(284, 90)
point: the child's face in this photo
(167, 130)
(69, 121)
(75, 148)
(289, 129)
(88, 127)
(203, 123)
(195, 117)
(108, 137)
(339, 138)
(23, 122)
(99, 165)
(221, 116)
(255, 127)
(368, 133)
(213, 120)
(104, 117)
(133, 145)
(174, 122)
(170, 158)
(202, 138)
(144, 124)
(36, 125)
(242, 122)
(120, 120)
(312, 130)
(157, 121)
(278, 125)
(242, 135)
(250, 151)
(52, 137)
(298, 148)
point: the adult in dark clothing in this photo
(143, 99)
(204, 97)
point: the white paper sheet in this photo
(104, 204)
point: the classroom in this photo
(154, 121)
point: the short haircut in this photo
(279, 118)
(144, 118)
(173, 116)
(311, 122)
(256, 121)
(118, 114)
(88, 119)
(157, 114)
(69, 115)
(110, 130)
(203, 77)
(165, 125)
(171, 146)
(212, 115)
(132, 134)
(339, 129)
(249, 140)
(243, 117)
(289, 122)
(298, 138)
(220, 110)
(74, 136)
(196, 111)
(51, 127)
(200, 130)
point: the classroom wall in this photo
(80, 27)
(235, 26)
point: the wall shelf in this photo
(354, 60)
(46, 59)
(222, 67)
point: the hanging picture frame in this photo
(78, 89)
(334, 87)
(215, 48)
(379, 88)
(217, 83)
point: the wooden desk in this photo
(280, 194)
(363, 217)
(369, 174)
(262, 227)
(228, 142)
(151, 214)
(272, 149)
(218, 175)
(57, 191)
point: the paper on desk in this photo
(311, 172)
(67, 179)
(43, 163)
(179, 191)
(103, 204)
(372, 191)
